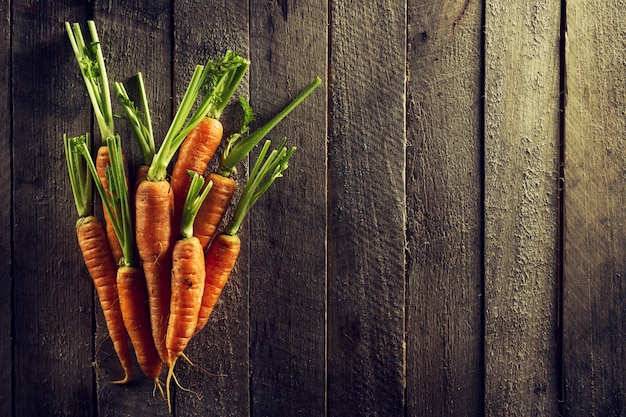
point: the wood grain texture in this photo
(366, 225)
(135, 37)
(6, 245)
(594, 299)
(444, 209)
(288, 47)
(204, 32)
(521, 169)
(53, 310)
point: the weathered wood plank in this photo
(594, 298)
(6, 244)
(521, 170)
(288, 42)
(444, 209)
(202, 32)
(366, 228)
(135, 36)
(53, 314)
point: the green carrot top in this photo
(265, 171)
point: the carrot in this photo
(223, 251)
(219, 260)
(102, 161)
(194, 155)
(131, 283)
(200, 145)
(98, 258)
(188, 276)
(154, 203)
(214, 208)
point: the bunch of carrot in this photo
(160, 260)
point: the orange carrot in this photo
(214, 207)
(130, 278)
(102, 268)
(131, 286)
(102, 161)
(187, 289)
(154, 206)
(219, 261)
(97, 255)
(188, 276)
(194, 155)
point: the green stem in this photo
(195, 197)
(239, 150)
(158, 167)
(80, 176)
(262, 176)
(91, 63)
(139, 122)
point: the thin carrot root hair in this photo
(96, 365)
(203, 370)
(158, 385)
(168, 383)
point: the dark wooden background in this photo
(448, 241)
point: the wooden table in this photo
(448, 240)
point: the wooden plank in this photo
(135, 37)
(521, 170)
(288, 43)
(366, 229)
(53, 325)
(594, 297)
(6, 244)
(444, 209)
(202, 32)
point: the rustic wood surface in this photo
(448, 239)
(521, 156)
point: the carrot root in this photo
(133, 302)
(220, 260)
(154, 205)
(103, 271)
(213, 208)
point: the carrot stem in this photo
(80, 176)
(140, 122)
(238, 151)
(91, 62)
(195, 197)
(262, 176)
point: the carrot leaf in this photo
(265, 171)
(238, 150)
